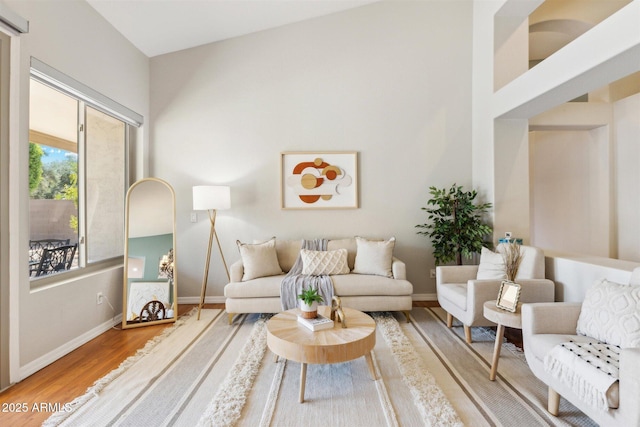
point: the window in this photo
(78, 145)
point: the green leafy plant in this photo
(70, 192)
(455, 226)
(35, 165)
(310, 295)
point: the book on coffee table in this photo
(317, 324)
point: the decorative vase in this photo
(309, 311)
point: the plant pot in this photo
(309, 311)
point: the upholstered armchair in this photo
(556, 335)
(462, 290)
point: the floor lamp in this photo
(211, 198)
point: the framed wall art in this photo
(319, 180)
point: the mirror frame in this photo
(125, 275)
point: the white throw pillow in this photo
(491, 266)
(259, 259)
(611, 313)
(374, 257)
(318, 263)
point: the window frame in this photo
(86, 97)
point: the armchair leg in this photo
(553, 404)
(449, 320)
(406, 315)
(467, 334)
(230, 317)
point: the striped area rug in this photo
(209, 373)
(516, 398)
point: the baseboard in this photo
(47, 359)
(196, 300)
(424, 297)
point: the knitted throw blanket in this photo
(589, 369)
(294, 282)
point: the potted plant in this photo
(455, 225)
(309, 299)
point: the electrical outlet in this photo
(432, 273)
(99, 298)
(194, 216)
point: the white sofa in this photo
(364, 292)
(546, 325)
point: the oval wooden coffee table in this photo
(287, 338)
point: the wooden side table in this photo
(288, 339)
(502, 318)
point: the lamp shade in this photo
(209, 197)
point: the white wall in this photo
(585, 179)
(73, 38)
(390, 80)
(627, 154)
(571, 190)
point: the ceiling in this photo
(157, 27)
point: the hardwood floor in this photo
(70, 376)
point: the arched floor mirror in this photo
(150, 277)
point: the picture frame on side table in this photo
(319, 180)
(508, 296)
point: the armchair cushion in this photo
(491, 265)
(611, 313)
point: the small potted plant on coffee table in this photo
(309, 299)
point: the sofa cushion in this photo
(287, 251)
(318, 263)
(349, 244)
(611, 313)
(343, 285)
(262, 287)
(259, 259)
(361, 285)
(374, 257)
(491, 266)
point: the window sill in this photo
(54, 280)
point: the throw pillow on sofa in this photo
(259, 259)
(374, 257)
(319, 263)
(611, 313)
